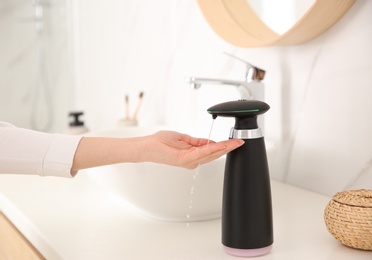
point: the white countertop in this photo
(77, 219)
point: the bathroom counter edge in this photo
(78, 219)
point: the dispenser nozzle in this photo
(244, 111)
(240, 108)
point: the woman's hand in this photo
(172, 148)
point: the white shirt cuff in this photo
(59, 157)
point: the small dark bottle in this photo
(247, 224)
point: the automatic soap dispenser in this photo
(247, 225)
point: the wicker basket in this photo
(348, 217)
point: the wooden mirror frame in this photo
(237, 23)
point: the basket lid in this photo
(359, 198)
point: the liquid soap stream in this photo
(192, 189)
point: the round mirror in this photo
(281, 15)
(239, 23)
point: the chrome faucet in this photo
(248, 88)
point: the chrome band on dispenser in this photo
(246, 133)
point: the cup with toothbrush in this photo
(129, 120)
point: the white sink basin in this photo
(166, 192)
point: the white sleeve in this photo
(24, 151)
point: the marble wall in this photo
(319, 91)
(35, 70)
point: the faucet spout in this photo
(249, 88)
(196, 83)
(245, 89)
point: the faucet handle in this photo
(252, 72)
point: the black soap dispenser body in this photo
(247, 225)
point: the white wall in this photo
(319, 91)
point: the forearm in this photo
(100, 151)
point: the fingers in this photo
(208, 153)
(197, 142)
(192, 151)
(223, 147)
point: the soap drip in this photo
(195, 176)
